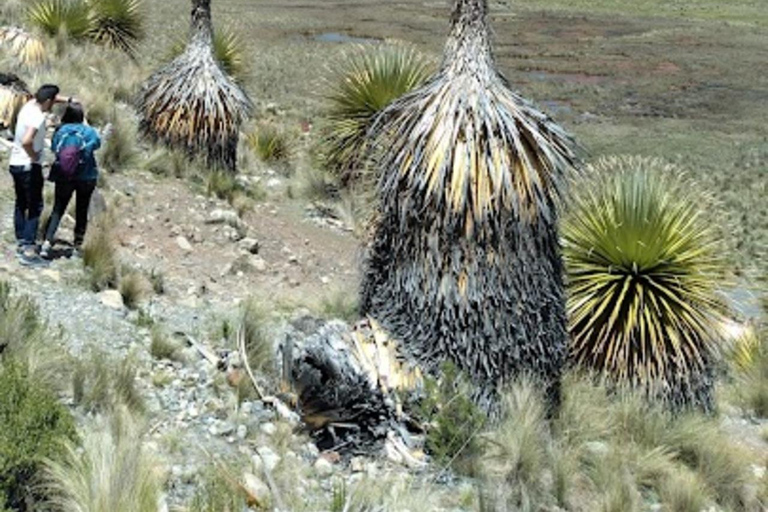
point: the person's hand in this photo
(27, 167)
(106, 132)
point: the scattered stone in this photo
(112, 299)
(184, 244)
(250, 245)
(268, 428)
(597, 448)
(228, 217)
(323, 466)
(257, 488)
(265, 458)
(53, 275)
(242, 432)
(357, 465)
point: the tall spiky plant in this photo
(13, 94)
(191, 104)
(643, 264)
(28, 49)
(56, 17)
(464, 263)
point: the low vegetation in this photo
(100, 255)
(102, 384)
(111, 469)
(270, 144)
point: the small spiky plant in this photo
(28, 49)
(643, 263)
(13, 95)
(464, 262)
(116, 23)
(369, 80)
(191, 104)
(56, 17)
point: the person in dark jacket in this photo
(82, 184)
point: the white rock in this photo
(242, 432)
(229, 217)
(53, 275)
(268, 428)
(256, 487)
(112, 299)
(265, 458)
(323, 466)
(184, 244)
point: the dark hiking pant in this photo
(83, 191)
(28, 186)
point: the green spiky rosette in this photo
(644, 263)
(464, 263)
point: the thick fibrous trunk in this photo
(191, 104)
(465, 264)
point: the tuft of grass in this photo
(119, 149)
(162, 346)
(102, 384)
(116, 23)
(221, 184)
(340, 305)
(367, 81)
(216, 493)
(270, 144)
(157, 280)
(133, 288)
(55, 18)
(258, 344)
(111, 470)
(644, 263)
(100, 255)
(32, 426)
(516, 452)
(749, 365)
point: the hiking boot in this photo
(45, 250)
(30, 258)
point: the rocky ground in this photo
(211, 260)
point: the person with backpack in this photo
(74, 171)
(26, 169)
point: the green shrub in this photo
(749, 363)
(453, 421)
(340, 305)
(221, 184)
(32, 426)
(368, 81)
(258, 344)
(215, 493)
(644, 263)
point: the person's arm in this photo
(60, 98)
(93, 141)
(28, 143)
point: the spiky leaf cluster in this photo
(191, 104)
(28, 49)
(643, 263)
(116, 23)
(228, 50)
(464, 261)
(369, 79)
(55, 17)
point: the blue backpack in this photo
(70, 154)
